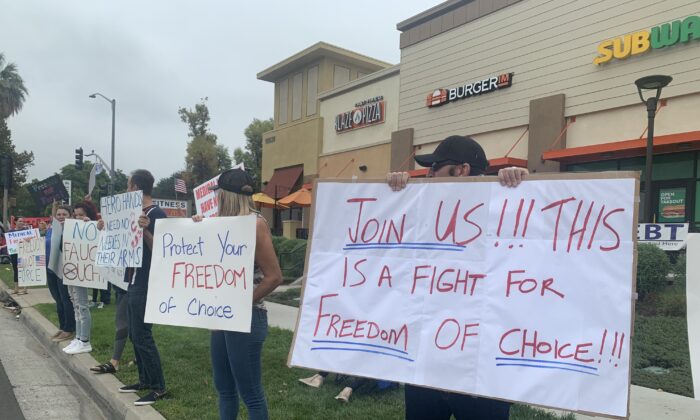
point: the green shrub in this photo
(291, 254)
(653, 266)
(679, 271)
(672, 303)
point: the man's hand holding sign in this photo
(462, 285)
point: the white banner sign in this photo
(667, 236)
(172, 208)
(121, 240)
(80, 240)
(31, 262)
(12, 239)
(202, 273)
(521, 294)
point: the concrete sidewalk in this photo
(645, 403)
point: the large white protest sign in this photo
(80, 240)
(31, 262)
(15, 237)
(121, 240)
(692, 285)
(205, 202)
(202, 273)
(522, 294)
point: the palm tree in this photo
(12, 89)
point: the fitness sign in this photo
(366, 113)
(442, 96)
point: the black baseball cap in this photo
(235, 180)
(457, 150)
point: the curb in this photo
(102, 389)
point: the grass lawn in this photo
(187, 368)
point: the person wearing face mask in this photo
(54, 274)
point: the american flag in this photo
(40, 260)
(180, 186)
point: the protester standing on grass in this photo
(455, 156)
(236, 356)
(84, 211)
(19, 225)
(54, 274)
(141, 335)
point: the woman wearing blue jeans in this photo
(235, 356)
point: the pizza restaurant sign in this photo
(442, 96)
(666, 35)
(366, 113)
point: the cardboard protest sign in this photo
(202, 273)
(205, 202)
(46, 191)
(173, 208)
(31, 262)
(521, 294)
(114, 275)
(12, 239)
(80, 240)
(121, 240)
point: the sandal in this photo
(104, 368)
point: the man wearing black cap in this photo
(454, 156)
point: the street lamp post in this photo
(114, 105)
(656, 82)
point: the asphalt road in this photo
(8, 403)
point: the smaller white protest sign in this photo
(692, 285)
(31, 262)
(121, 240)
(173, 208)
(202, 273)
(80, 241)
(14, 238)
(667, 236)
(114, 275)
(205, 199)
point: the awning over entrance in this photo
(669, 143)
(282, 181)
(494, 165)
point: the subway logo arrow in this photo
(657, 37)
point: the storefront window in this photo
(633, 164)
(606, 165)
(673, 166)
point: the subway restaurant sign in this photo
(666, 35)
(366, 113)
(490, 84)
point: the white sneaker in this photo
(74, 342)
(81, 347)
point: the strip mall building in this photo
(547, 85)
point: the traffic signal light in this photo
(6, 171)
(79, 158)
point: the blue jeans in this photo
(83, 320)
(147, 356)
(235, 359)
(64, 307)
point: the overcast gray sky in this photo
(154, 56)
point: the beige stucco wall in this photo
(681, 114)
(339, 165)
(295, 144)
(374, 134)
(550, 46)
